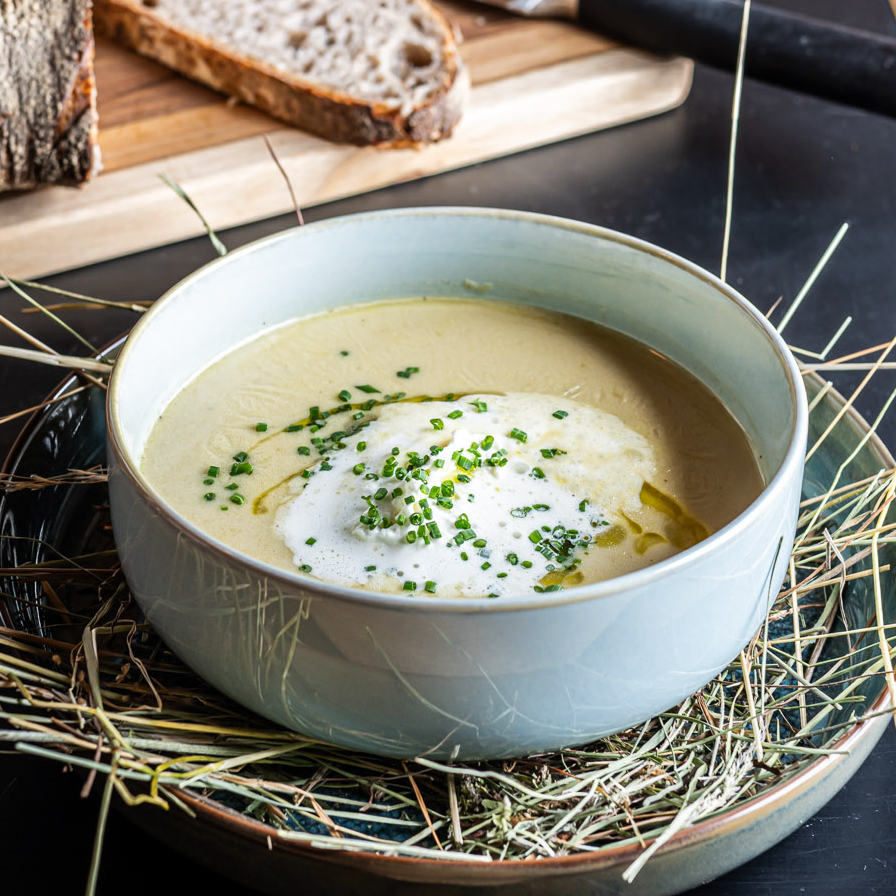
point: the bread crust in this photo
(328, 113)
(48, 121)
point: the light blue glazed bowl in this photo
(458, 678)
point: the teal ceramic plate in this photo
(71, 434)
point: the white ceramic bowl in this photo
(471, 678)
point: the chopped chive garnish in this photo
(464, 463)
(551, 452)
(326, 466)
(208, 481)
(438, 463)
(560, 414)
(479, 543)
(526, 564)
(358, 416)
(501, 575)
(240, 468)
(454, 415)
(447, 488)
(430, 587)
(310, 540)
(304, 450)
(358, 469)
(304, 568)
(437, 423)
(464, 555)
(486, 565)
(295, 427)
(434, 530)
(240, 457)
(362, 446)
(224, 507)
(344, 395)
(209, 496)
(232, 487)
(535, 536)
(237, 499)
(213, 471)
(410, 586)
(518, 434)
(513, 559)
(462, 477)
(480, 406)
(380, 493)
(411, 537)
(366, 388)
(406, 373)
(537, 473)
(261, 427)
(369, 568)
(487, 442)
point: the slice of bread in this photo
(355, 71)
(48, 123)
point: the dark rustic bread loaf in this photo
(48, 122)
(355, 71)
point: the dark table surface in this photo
(804, 167)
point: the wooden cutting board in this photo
(534, 82)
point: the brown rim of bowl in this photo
(598, 590)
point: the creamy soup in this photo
(451, 447)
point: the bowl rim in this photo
(791, 464)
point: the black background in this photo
(804, 166)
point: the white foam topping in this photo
(486, 495)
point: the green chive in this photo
(535, 536)
(430, 587)
(411, 537)
(518, 434)
(454, 415)
(410, 586)
(310, 540)
(304, 450)
(380, 494)
(513, 559)
(358, 469)
(537, 473)
(208, 481)
(369, 568)
(487, 442)
(304, 568)
(237, 499)
(560, 414)
(213, 471)
(437, 423)
(344, 395)
(209, 496)
(367, 389)
(240, 457)
(261, 427)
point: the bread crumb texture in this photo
(383, 72)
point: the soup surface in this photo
(456, 447)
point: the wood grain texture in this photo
(534, 82)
